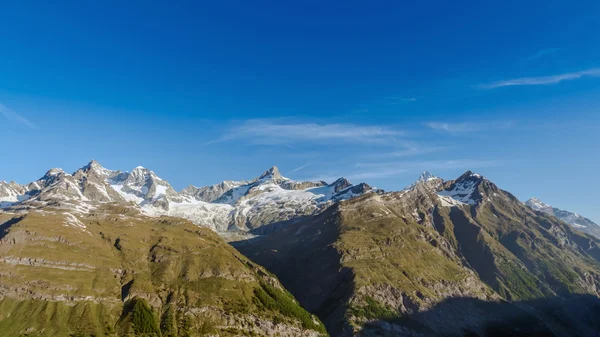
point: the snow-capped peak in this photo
(54, 172)
(272, 173)
(469, 175)
(538, 205)
(464, 190)
(267, 199)
(93, 164)
(426, 176)
(425, 179)
(51, 176)
(95, 168)
(575, 220)
(140, 174)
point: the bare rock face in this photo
(341, 184)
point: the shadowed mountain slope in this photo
(394, 256)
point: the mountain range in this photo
(577, 221)
(103, 252)
(230, 206)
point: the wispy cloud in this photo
(15, 117)
(541, 53)
(468, 127)
(361, 175)
(299, 168)
(544, 80)
(411, 149)
(453, 127)
(268, 131)
(395, 100)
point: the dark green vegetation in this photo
(142, 320)
(388, 265)
(273, 299)
(115, 272)
(373, 310)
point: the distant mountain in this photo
(575, 220)
(427, 181)
(230, 206)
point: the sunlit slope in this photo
(115, 272)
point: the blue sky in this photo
(375, 91)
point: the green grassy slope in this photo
(394, 260)
(117, 273)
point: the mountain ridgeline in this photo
(439, 258)
(575, 220)
(111, 253)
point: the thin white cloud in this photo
(15, 117)
(359, 176)
(410, 150)
(453, 127)
(468, 127)
(541, 53)
(300, 168)
(267, 131)
(395, 100)
(544, 80)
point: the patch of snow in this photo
(160, 190)
(461, 192)
(54, 172)
(127, 196)
(100, 188)
(4, 204)
(23, 197)
(215, 216)
(72, 220)
(448, 201)
(385, 211)
(415, 213)
(76, 188)
(232, 196)
(324, 192)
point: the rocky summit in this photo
(102, 252)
